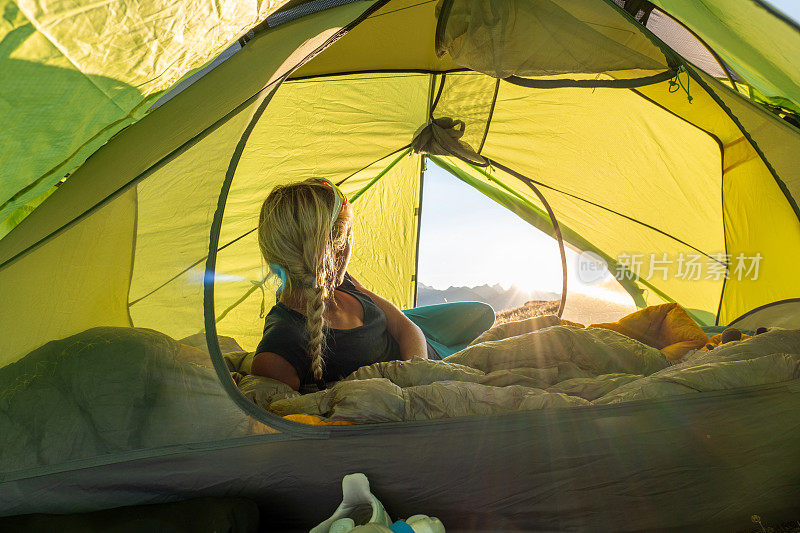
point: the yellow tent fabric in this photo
(640, 154)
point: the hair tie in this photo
(339, 199)
(281, 273)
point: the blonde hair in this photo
(297, 231)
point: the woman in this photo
(325, 324)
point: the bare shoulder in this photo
(272, 365)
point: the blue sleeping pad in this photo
(450, 327)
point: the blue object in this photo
(281, 273)
(401, 527)
(451, 327)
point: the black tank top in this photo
(346, 350)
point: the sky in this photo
(788, 7)
(467, 239)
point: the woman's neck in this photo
(293, 301)
(298, 302)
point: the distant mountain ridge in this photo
(495, 295)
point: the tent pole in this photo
(423, 166)
(381, 174)
(556, 228)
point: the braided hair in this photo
(299, 231)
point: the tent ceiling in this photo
(641, 170)
(399, 36)
(139, 50)
(75, 75)
(545, 38)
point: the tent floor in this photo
(233, 515)
(698, 462)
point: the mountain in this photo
(580, 308)
(494, 295)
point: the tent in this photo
(660, 128)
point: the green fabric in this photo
(74, 76)
(78, 281)
(138, 254)
(452, 326)
(108, 391)
(761, 47)
(687, 156)
(19, 215)
(234, 515)
(544, 38)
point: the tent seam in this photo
(415, 278)
(390, 154)
(712, 135)
(781, 185)
(489, 118)
(32, 185)
(356, 195)
(401, 9)
(422, 168)
(760, 307)
(376, 71)
(534, 83)
(432, 105)
(134, 240)
(187, 269)
(724, 236)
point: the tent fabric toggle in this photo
(442, 136)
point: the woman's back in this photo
(346, 350)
